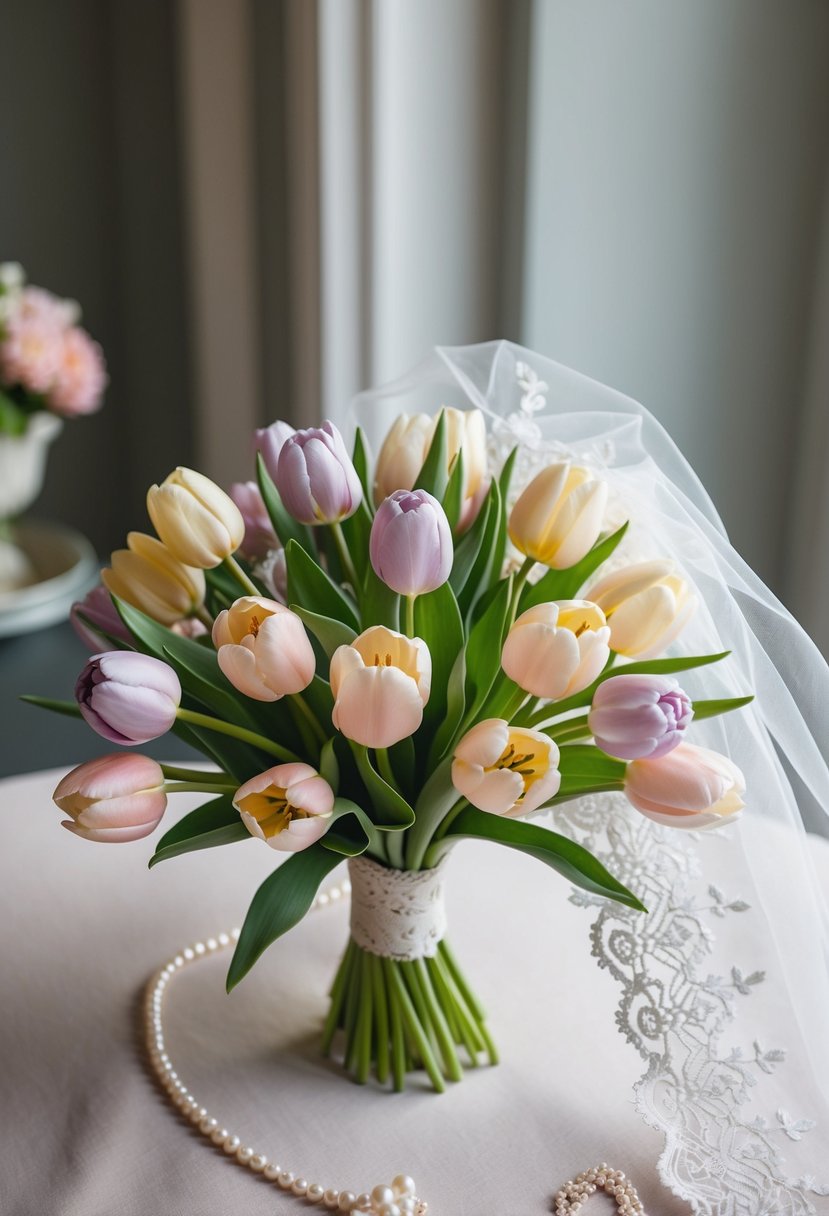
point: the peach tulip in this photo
(556, 649)
(198, 522)
(558, 517)
(146, 575)
(116, 798)
(506, 770)
(263, 649)
(380, 682)
(288, 806)
(690, 787)
(646, 605)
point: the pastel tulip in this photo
(411, 543)
(263, 649)
(113, 799)
(402, 454)
(269, 440)
(272, 572)
(646, 605)
(128, 697)
(148, 576)
(558, 517)
(555, 650)
(197, 521)
(288, 806)
(259, 536)
(690, 787)
(98, 612)
(639, 717)
(380, 682)
(506, 770)
(315, 477)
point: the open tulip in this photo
(128, 697)
(558, 517)
(288, 806)
(263, 649)
(97, 611)
(259, 536)
(690, 787)
(380, 682)
(315, 477)
(646, 605)
(198, 522)
(411, 543)
(269, 441)
(506, 770)
(147, 576)
(555, 650)
(639, 717)
(116, 798)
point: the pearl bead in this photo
(363, 1202)
(285, 1180)
(300, 1186)
(219, 1135)
(389, 1209)
(314, 1193)
(244, 1154)
(346, 1201)
(382, 1195)
(407, 1205)
(258, 1162)
(331, 1198)
(272, 1171)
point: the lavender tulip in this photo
(639, 717)
(259, 537)
(269, 441)
(411, 543)
(315, 476)
(97, 611)
(128, 697)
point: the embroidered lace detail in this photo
(717, 1158)
(398, 914)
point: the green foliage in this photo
(309, 585)
(566, 584)
(284, 525)
(434, 476)
(438, 622)
(212, 824)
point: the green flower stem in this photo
(398, 1042)
(518, 587)
(570, 730)
(237, 732)
(310, 717)
(445, 952)
(198, 787)
(384, 768)
(410, 625)
(381, 1016)
(240, 576)
(345, 557)
(174, 773)
(204, 616)
(337, 994)
(412, 1024)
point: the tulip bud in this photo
(98, 612)
(506, 770)
(639, 717)
(197, 521)
(147, 576)
(646, 605)
(402, 454)
(315, 477)
(259, 536)
(288, 806)
(558, 517)
(128, 697)
(690, 787)
(263, 649)
(380, 682)
(555, 650)
(116, 798)
(411, 543)
(269, 441)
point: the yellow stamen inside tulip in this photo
(528, 765)
(580, 618)
(271, 810)
(254, 626)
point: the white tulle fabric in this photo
(719, 1038)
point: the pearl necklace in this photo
(399, 1199)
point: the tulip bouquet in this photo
(381, 664)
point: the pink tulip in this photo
(690, 787)
(288, 806)
(259, 536)
(506, 770)
(380, 682)
(128, 697)
(113, 799)
(263, 649)
(639, 717)
(270, 441)
(411, 543)
(556, 649)
(315, 477)
(98, 609)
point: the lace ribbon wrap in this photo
(397, 914)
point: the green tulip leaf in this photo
(329, 633)
(308, 584)
(709, 709)
(361, 459)
(391, 811)
(437, 620)
(566, 584)
(453, 496)
(212, 824)
(284, 525)
(468, 548)
(350, 832)
(483, 649)
(70, 709)
(434, 476)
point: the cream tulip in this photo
(263, 649)
(646, 605)
(558, 517)
(288, 806)
(380, 682)
(555, 650)
(407, 444)
(506, 770)
(690, 787)
(198, 522)
(146, 575)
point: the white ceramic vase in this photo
(22, 469)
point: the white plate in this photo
(66, 566)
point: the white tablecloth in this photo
(86, 1132)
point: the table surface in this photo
(86, 1132)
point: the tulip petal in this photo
(485, 743)
(378, 706)
(238, 665)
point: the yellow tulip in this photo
(198, 522)
(558, 517)
(646, 606)
(380, 682)
(407, 444)
(555, 650)
(147, 576)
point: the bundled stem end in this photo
(398, 1017)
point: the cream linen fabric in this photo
(86, 1133)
